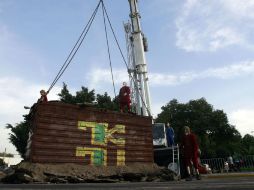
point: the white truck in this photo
(164, 155)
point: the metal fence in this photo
(243, 163)
(248, 161)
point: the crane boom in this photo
(139, 67)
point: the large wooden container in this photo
(64, 133)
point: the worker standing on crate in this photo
(124, 97)
(170, 135)
(190, 151)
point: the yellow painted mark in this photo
(83, 125)
(101, 135)
(98, 156)
(116, 129)
(120, 157)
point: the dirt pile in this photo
(27, 172)
(2, 175)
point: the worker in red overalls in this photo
(43, 97)
(190, 151)
(124, 97)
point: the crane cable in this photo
(109, 55)
(75, 48)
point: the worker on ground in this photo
(190, 151)
(124, 97)
(43, 97)
(170, 135)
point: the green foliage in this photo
(104, 101)
(85, 96)
(65, 95)
(82, 96)
(248, 145)
(19, 136)
(247, 169)
(217, 138)
(2, 162)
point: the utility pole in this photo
(139, 68)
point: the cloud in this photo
(226, 72)
(156, 108)
(99, 77)
(243, 120)
(206, 25)
(240, 8)
(231, 71)
(15, 93)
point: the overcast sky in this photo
(197, 48)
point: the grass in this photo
(247, 169)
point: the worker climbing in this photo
(43, 97)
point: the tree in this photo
(19, 136)
(65, 95)
(105, 101)
(82, 96)
(2, 163)
(247, 145)
(85, 96)
(216, 136)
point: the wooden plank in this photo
(129, 135)
(71, 147)
(81, 160)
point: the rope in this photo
(109, 56)
(75, 48)
(114, 35)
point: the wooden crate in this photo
(64, 133)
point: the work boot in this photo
(189, 178)
(198, 177)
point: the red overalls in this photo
(124, 98)
(190, 150)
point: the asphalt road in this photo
(232, 183)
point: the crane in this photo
(137, 67)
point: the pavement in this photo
(229, 175)
(225, 181)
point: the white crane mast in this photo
(137, 63)
(135, 98)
